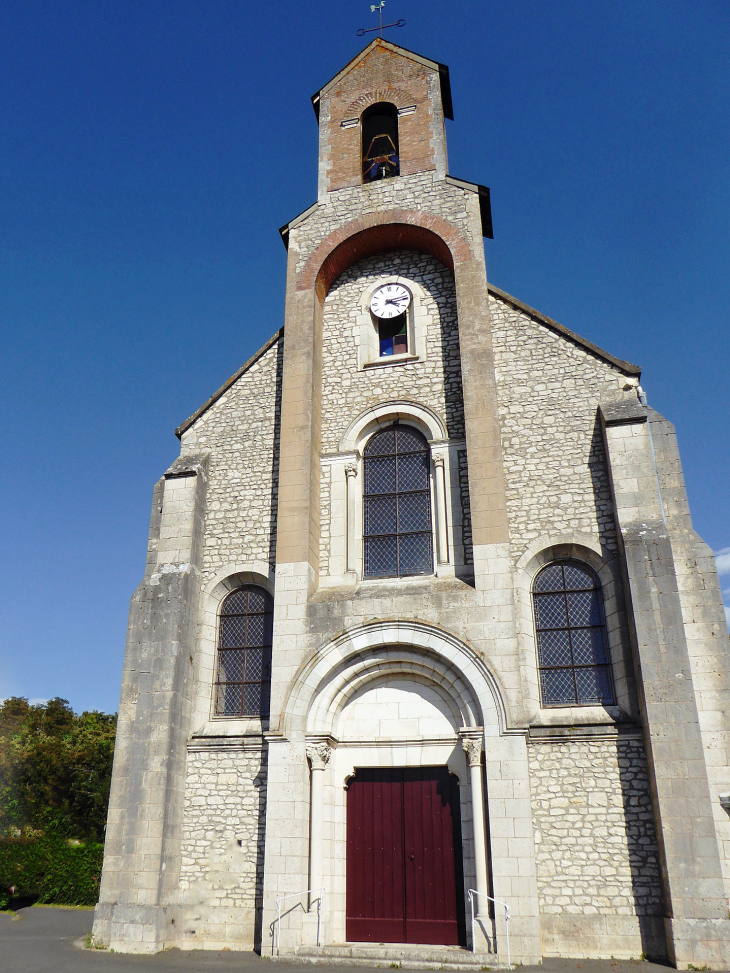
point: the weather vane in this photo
(382, 27)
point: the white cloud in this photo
(38, 701)
(722, 559)
(727, 615)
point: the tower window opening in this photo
(380, 153)
(393, 336)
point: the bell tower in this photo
(382, 115)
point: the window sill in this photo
(391, 360)
(232, 726)
(579, 715)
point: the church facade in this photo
(425, 628)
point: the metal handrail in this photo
(298, 895)
(472, 893)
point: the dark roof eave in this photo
(624, 366)
(183, 428)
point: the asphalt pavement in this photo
(41, 939)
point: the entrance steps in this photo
(399, 956)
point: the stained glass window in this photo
(243, 681)
(397, 504)
(394, 335)
(572, 648)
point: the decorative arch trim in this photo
(397, 229)
(342, 667)
(560, 547)
(232, 576)
(380, 416)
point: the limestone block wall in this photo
(434, 381)
(241, 431)
(554, 459)
(221, 876)
(595, 842)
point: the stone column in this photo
(443, 536)
(318, 755)
(351, 475)
(472, 745)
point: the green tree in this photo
(55, 769)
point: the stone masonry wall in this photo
(554, 461)
(223, 831)
(241, 430)
(435, 382)
(596, 849)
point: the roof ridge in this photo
(625, 366)
(184, 426)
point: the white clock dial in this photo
(390, 300)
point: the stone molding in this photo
(318, 755)
(472, 747)
(372, 651)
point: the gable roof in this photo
(184, 426)
(624, 366)
(442, 69)
(564, 332)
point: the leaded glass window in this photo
(572, 648)
(243, 680)
(397, 504)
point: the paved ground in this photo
(40, 940)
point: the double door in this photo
(404, 868)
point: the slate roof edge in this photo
(183, 427)
(625, 366)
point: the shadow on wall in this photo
(643, 850)
(275, 454)
(445, 298)
(260, 785)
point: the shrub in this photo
(49, 870)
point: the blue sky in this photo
(150, 151)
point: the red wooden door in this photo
(404, 875)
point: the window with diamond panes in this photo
(572, 648)
(397, 504)
(243, 680)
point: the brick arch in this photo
(377, 233)
(389, 93)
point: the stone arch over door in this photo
(451, 701)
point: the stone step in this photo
(398, 956)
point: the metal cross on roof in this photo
(382, 27)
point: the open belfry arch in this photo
(424, 614)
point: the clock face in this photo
(390, 300)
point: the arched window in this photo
(572, 648)
(397, 504)
(243, 680)
(380, 158)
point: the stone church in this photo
(426, 640)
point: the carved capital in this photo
(473, 750)
(319, 755)
(438, 460)
(351, 469)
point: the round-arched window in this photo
(572, 648)
(243, 678)
(397, 533)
